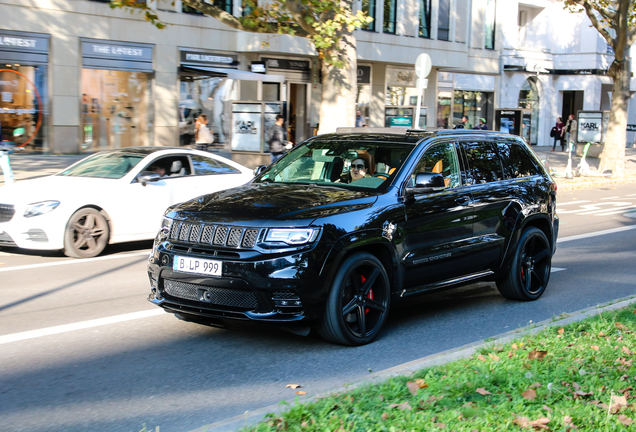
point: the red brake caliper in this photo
(363, 280)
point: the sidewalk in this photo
(558, 160)
(26, 166)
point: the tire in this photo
(358, 303)
(86, 234)
(529, 272)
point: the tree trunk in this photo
(613, 155)
(339, 84)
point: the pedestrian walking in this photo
(275, 138)
(557, 132)
(569, 131)
(203, 136)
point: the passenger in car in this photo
(158, 170)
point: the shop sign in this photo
(631, 128)
(590, 127)
(116, 51)
(286, 64)
(246, 131)
(401, 77)
(400, 121)
(23, 43)
(208, 58)
(577, 71)
(258, 67)
(364, 74)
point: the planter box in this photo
(593, 152)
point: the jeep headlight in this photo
(166, 225)
(40, 208)
(292, 236)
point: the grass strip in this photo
(576, 377)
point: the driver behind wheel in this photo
(357, 171)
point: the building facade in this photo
(78, 76)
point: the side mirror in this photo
(427, 183)
(259, 170)
(148, 177)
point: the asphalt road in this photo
(81, 349)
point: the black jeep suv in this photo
(347, 223)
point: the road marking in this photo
(610, 198)
(556, 269)
(74, 261)
(559, 204)
(596, 234)
(48, 331)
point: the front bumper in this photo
(285, 288)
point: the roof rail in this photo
(366, 130)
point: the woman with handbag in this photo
(202, 134)
(556, 132)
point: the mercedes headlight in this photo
(292, 236)
(40, 208)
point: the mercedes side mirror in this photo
(148, 177)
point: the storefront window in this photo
(529, 99)
(116, 109)
(472, 104)
(363, 101)
(210, 96)
(444, 99)
(23, 102)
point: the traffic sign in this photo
(423, 65)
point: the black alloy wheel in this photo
(86, 234)
(358, 303)
(529, 273)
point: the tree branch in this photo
(230, 20)
(589, 10)
(300, 12)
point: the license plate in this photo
(198, 266)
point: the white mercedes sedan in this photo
(109, 197)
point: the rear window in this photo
(483, 162)
(517, 161)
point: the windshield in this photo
(104, 165)
(348, 164)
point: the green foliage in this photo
(579, 377)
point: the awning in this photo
(232, 74)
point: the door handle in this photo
(462, 200)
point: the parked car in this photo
(311, 242)
(109, 197)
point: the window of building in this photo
(225, 5)
(117, 109)
(472, 104)
(211, 96)
(489, 24)
(443, 20)
(425, 19)
(390, 9)
(368, 6)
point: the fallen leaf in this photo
(567, 422)
(420, 382)
(540, 423)
(576, 386)
(601, 334)
(547, 408)
(595, 347)
(413, 388)
(524, 422)
(440, 425)
(293, 386)
(625, 420)
(560, 331)
(626, 390)
(620, 326)
(385, 416)
(626, 350)
(300, 392)
(404, 406)
(511, 354)
(481, 357)
(529, 394)
(535, 385)
(537, 354)
(578, 394)
(620, 401)
(514, 346)
(493, 356)
(482, 391)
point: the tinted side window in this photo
(205, 166)
(483, 162)
(517, 161)
(442, 159)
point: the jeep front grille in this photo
(212, 295)
(6, 212)
(214, 235)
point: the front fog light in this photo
(40, 208)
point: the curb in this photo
(250, 418)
